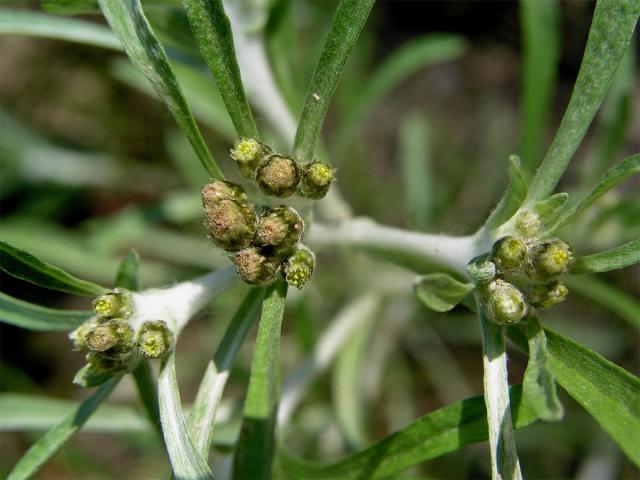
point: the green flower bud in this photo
(155, 339)
(117, 303)
(256, 266)
(506, 304)
(299, 267)
(509, 254)
(549, 259)
(278, 175)
(231, 224)
(528, 224)
(316, 180)
(247, 153)
(101, 364)
(547, 296)
(481, 270)
(281, 228)
(219, 190)
(113, 338)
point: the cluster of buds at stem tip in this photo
(521, 273)
(279, 175)
(115, 340)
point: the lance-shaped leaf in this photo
(203, 412)
(186, 461)
(25, 266)
(212, 31)
(609, 393)
(50, 442)
(345, 28)
(256, 446)
(25, 22)
(613, 24)
(512, 198)
(440, 291)
(619, 257)
(549, 209)
(626, 168)
(145, 51)
(34, 317)
(539, 385)
(442, 431)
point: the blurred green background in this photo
(93, 165)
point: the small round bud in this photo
(280, 227)
(528, 224)
(155, 339)
(256, 267)
(101, 364)
(278, 175)
(316, 180)
(547, 296)
(113, 338)
(247, 153)
(549, 259)
(481, 270)
(509, 254)
(231, 224)
(219, 190)
(299, 267)
(117, 303)
(505, 303)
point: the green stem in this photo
(148, 393)
(504, 458)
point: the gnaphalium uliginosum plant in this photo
(514, 267)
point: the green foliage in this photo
(256, 446)
(34, 317)
(25, 266)
(132, 28)
(441, 292)
(619, 257)
(346, 25)
(512, 198)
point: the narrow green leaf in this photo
(24, 412)
(345, 28)
(502, 446)
(88, 377)
(626, 168)
(25, 266)
(594, 290)
(541, 44)
(549, 209)
(609, 393)
(613, 24)
(410, 58)
(538, 385)
(212, 31)
(442, 431)
(255, 448)
(132, 28)
(203, 413)
(128, 274)
(50, 442)
(619, 257)
(25, 22)
(512, 198)
(416, 164)
(34, 317)
(440, 291)
(186, 461)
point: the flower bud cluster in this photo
(520, 274)
(278, 175)
(114, 340)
